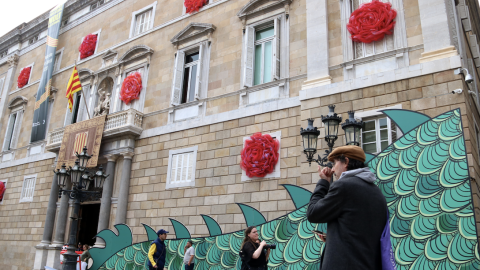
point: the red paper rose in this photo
(372, 21)
(260, 155)
(88, 45)
(2, 190)
(194, 5)
(23, 77)
(131, 87)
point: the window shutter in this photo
(81, 108)
(198, 83)
(68, 117)
(276, 51)
(85, 115)
(8, 134)
(178, 78)
(16, 129)
(249, 50)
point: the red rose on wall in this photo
(131, 87)
(2, 190)
(260, 155)
(194, 5)
(88, 45)
(23, 77)
(372, 21)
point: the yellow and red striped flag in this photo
(73, 86)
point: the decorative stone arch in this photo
(85, 74)
(256, 8)
(18, 101)
(193, 31)
(137, 52)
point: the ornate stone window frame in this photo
(58, 52)
(152, 6)
(196, 37)
(109, 55)
(86, 78)
(17, 107)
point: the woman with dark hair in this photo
(354, 209)
(253, 251)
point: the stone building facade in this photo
(313, 63)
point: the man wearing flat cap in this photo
(157, 252)
(354, 209)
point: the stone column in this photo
(9, 79)
(317, 44)
(41, 252)
(53, 259)
(122, 204)
(106, 204)
(438, 29)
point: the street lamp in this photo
(81, 179)
(331, 122)
(352, 129)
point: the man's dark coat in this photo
(355, 211)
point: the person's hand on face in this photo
(325, 173)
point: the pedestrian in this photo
(253, 253)
(354, 209)
(84, 257)
(79, 247)
(189, 259)
(157, 252)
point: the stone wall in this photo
(21, 224)
(218, 184)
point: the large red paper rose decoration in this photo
(260, 155)
(88, 45)
(372, 21)
(2, 190)
(23, 77)
(194, 5)
(131, 87)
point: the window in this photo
(188, 76)
(142, 20)
(377, 134)
(97, 33)
(58, 60)
(477, 136)
(3, 193)
(33, 40)
(262, 53)
(3, 54)
(181, 167)
(28, 188)
(97, 4)
(135, 104)
(13, 130)
(78, 112)
(64, 22)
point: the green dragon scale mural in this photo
(423, 175)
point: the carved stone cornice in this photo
(193, 30)
(258, 7)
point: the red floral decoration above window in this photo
(260, 155)
(194, 5)
(372, 21)
(23, 77)
(88, 45)
(2, 190)
(131, 87)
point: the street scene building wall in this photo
(318, 65)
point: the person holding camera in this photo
(354, 209)
(254, 253)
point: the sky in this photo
(15, 12)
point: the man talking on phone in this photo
(354, 209)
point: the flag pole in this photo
(84, 100)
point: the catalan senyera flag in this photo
(73, 86)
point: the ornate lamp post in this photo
(81, 179)
(331, 121)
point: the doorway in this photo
(88, 223)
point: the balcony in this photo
(122, 123)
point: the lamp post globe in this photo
(83, 157)
(99, 178)
(62, 175)
(331, 122)
(352, 129)
(310, 139)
